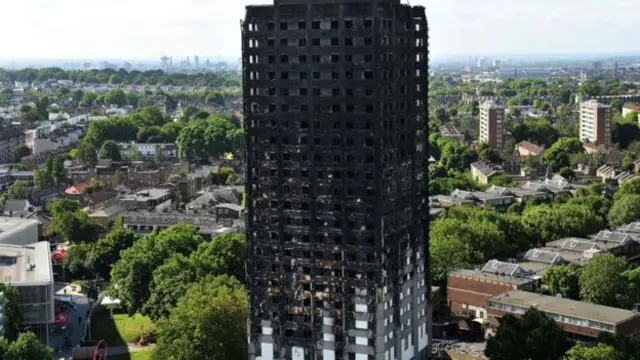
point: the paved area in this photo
(76, 325)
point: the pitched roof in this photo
(531, 147)
(486, 168)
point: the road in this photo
(75, 328)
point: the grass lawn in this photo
(140, 355)
(120, 329)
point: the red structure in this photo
(96, 354)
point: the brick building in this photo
(468, 291)
(580, 319)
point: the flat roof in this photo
(108, 212)
(11, 225)
(566, 307)
(15, 260)
(483, 276)
(147, 194)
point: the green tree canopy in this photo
(110, 150)
(209, 322)
(534, 337)
(625, 209)
(586, 352)
(133, 273)
(106, 251)
(564, 280)
(601, 280)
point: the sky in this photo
(149, 28)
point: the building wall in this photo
(467, 291)
(595, 123)
(320, 102)
(491, 125)
(27, 235)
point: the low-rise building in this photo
(18, 231)
(483, 199)
(468, 290)
(519, 195)
(630, 108)
(526, 148)
(10, 138)
(450, 131)
(108, 215)
(483, 171)
(557, 188)
(580, 319)
(146, 199)
(148, 151)
(28, 269)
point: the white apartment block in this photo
(595, 123)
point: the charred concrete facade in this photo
(335, 121)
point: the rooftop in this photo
(530, 147)
(497, 278)
(486, 168)
(632, 228)
(108, 211)
(11, 225)
(566, 307)
(26, 265)
(147, 194)
(613, 236)
(631, 106)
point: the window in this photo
(302, 42)
(303, 91)
(315, 42)
(284, 25)
(272, 75)
(302, 25)
(348, 41)
(271, 42)
(284, 59)
(335, 58)
(284, 75)
(335, 41)
(335, 24)
(284, 42)
(348, 24)
(302, 59)
(315, 25)
(316, 74)
(271, 26)
(303, 76)
(271, 59)
(368, 23)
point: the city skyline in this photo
(142, 29)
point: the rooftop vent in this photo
(31, 266)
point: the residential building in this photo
(148, 151)
(483, 171)
(519, 195)
(18, 231)
(526, 148)
(107, 215)
(28, 269)
(146, 199)
(10, 138)
(595, 123)
(450, 131)
(557, 188)
(630, 108)
(469, 290)
(41, 140)
(584, 321)
(210, 222)
(492, 124)
(440, 203)
(335, 119)
(499, 202)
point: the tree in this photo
(224, 255)
(586, 352)
(551, 222)
(117, 177)
(534, 337)
(26, 347)
(601, 280)
(11, 312)
(557, 156)
(57, 170)
(170, 282)
(88, 99)
(110, 150)
(106, 251)
(564, 280)
(115, 97)
(625, 209)
(42, 179)
(75, 261)
(58, 206)
(87, 154)
(77, 95)
(134, 271)
(631, 187)
(22, 151)
(567, 173)
(75, 227)
(159, 156)
(208, 323)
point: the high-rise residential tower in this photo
(335, 117)
(595, 123)
(492, 124)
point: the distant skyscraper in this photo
(491, 124)
(196, 61)
(595, 122)
(335, 118)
